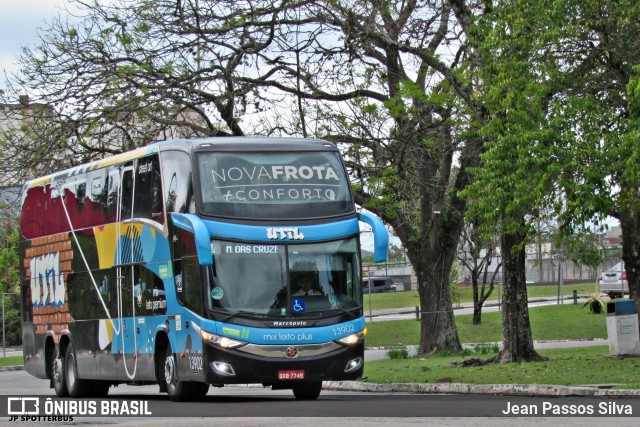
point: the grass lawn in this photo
(11, 361)
(410, 298)
(573, 366)
(554, 322)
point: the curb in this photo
(491, 389)
(11, 368)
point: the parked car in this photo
(614, 281)
(378, 284)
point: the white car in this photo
(614, 281)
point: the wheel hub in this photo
(169, 371)
(71, 371)
(57, 377)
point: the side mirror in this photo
(380, 235)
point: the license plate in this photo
(291, 375)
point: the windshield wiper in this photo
(321, 314)
(350, 313)
(244, 313)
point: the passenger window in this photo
(112, 195)
(176, 167)
(126, 197)
(188, 284)
(149, 293)
(148, 190)
(96, 198)
(84, 301)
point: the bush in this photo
(487, 348)
(465, 352)
(398, 353)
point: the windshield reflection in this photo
(256, 278)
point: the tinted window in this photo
(149, 293)
(112, 194)
(176, 167)
(189, 284)
(126, 196)
(95, 209)
(84, 301)
(148, 190)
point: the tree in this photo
(391, 82)
(478, 251)
(587, 51)
(517, 171)
(631, 179)
(9, 264)
(395, 253)
(559, 119)
(10, 282)
(600, 41)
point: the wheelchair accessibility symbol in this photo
(297, 306)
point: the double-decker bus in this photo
(191, 263)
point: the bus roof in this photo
(235, 143)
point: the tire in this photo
(100, 389)
(198, 389)
(58, 376)
(178, 391)
(75, 386)
(307, 391)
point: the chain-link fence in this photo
(548, 271)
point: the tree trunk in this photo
(477, 302)
(477, 314)
(516, 329)
(630, 224)
(437, 323)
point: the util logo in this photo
(292, 233)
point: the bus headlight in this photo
(224, 342)
(352, 339)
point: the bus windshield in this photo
(291, 185)
(284, 280)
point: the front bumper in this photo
(261, 364)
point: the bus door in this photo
(127, 242)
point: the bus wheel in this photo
(199, 389)
(177, 390)
(307, 391)
(58, 375)
(75, 386)
(100, 389)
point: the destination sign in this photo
(273, 178)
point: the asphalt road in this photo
(247, 406)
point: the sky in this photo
(19, 23)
